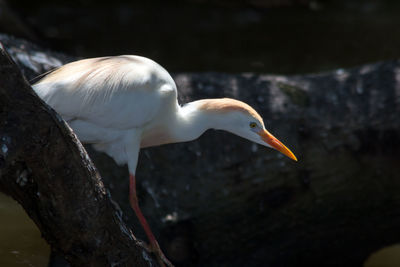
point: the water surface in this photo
(20, 239)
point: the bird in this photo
(120, 104)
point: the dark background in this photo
(276, 36)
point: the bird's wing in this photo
(112, 92)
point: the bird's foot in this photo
(162, 260)
(156, 250)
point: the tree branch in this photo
(46, 169)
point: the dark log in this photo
(46, 169)
(221, 200)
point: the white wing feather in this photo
(120, 92)
(109, 101)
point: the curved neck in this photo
(192, 122)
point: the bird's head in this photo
(241, 119)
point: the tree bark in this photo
(221, 200)
(46, 169)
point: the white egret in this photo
(123, 103)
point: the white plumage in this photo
(120, 104)
(109, 100)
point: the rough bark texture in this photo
(45, 168)
(221, 200)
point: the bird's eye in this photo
(253, 125)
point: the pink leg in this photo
(135, 206)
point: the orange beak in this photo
(276, 144)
